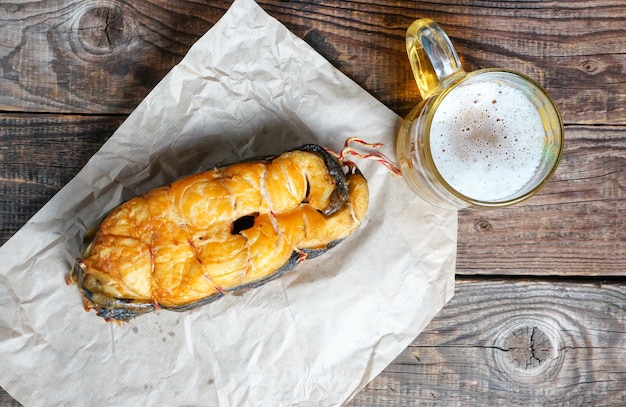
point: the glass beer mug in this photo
(482, 139)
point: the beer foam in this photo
(486, 140)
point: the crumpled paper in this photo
(248, 87)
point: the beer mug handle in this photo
(433, 59)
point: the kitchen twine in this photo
(372, 155)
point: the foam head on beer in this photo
(486, 139)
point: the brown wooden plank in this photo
(575, 226)
(39, 154)
(6, 400)
(510, 343)
(576, 50)
(67, 58)
(71, 56)
(514, 343)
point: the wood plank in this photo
(72, 56)
(67, 58)
(581, 64)
(574, 226)
(39, 154)
(6, 400)
(576, 50)
(514, 343)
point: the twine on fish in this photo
(372, 155)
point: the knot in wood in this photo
(528, 347)
(589, 66)
(483, 225)
(529, 350)
(101, 29)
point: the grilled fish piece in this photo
(231, 228)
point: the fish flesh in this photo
(228, 229)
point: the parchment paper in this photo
(248, 87)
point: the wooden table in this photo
(539, 314)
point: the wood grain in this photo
(93, 57)
(575, 226)
(39, 154)
(66, 57)
(6, 400)
(514, 343)
(574, 48)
